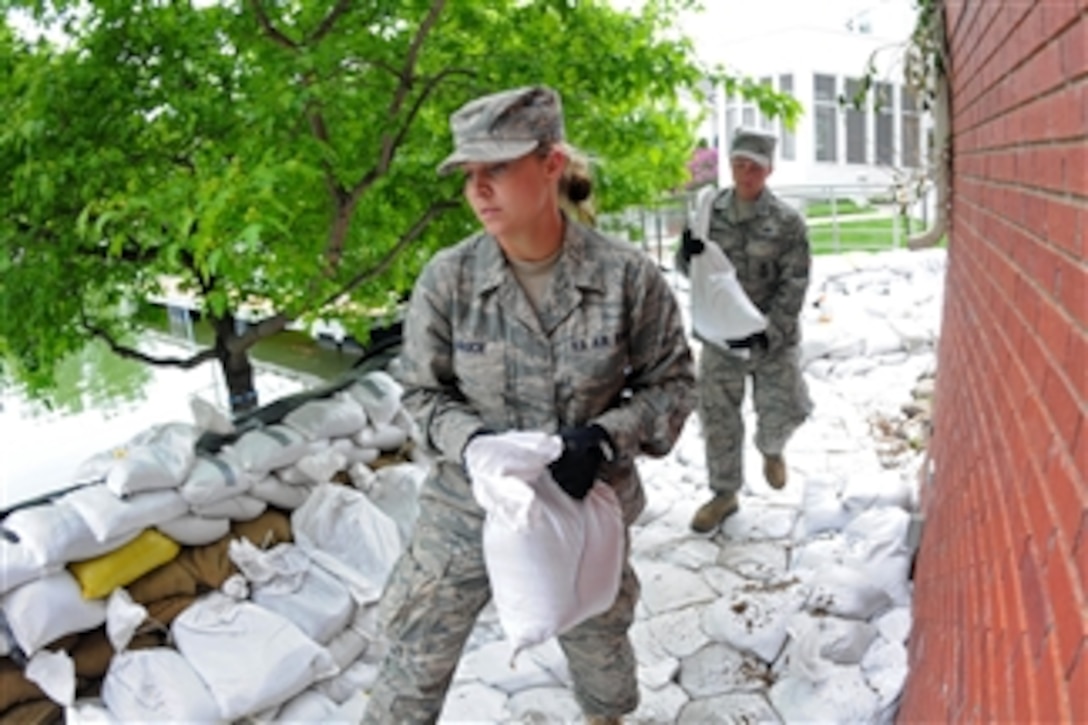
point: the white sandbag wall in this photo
(293, 631)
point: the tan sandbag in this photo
(36, 712)
(169, 580)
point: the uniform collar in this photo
(573, 265)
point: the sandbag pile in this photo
(252, 571)
(851, 320)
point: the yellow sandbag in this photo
(99, 576)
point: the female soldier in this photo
(534, 323)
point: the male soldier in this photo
(767, 242)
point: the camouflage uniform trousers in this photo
(780, 398)
(430, 606)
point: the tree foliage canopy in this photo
(283, 153)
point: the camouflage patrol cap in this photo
(755, 145)
(504, 126)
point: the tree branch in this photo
(265, 328)
(269, 29)
(328, 22)
(134, 354)
(413, 233)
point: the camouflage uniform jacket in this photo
(607, 346)
(770, 251)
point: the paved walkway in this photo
(708, 602)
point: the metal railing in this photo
(840, 218)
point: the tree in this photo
(279, 157)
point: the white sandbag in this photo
(842, 697)
(885, 667)
(215, 478)
(379, 394)
(209, 417)
(293, 476)
(89, 711)
(383, 436)
(885, 488)
(19, 563)
(282, 495)
(238, 508)
(816, 642)
(55, 674)
(44, 610)
(109, 516)
(395, 490)
(270, 447)
(350, 536)
(880, 530)
(332, 417)
(157, 685)
(845, 591)
(822, 507)
(307, 707)
(123, 618)
(158, 458)
(352, 452)
(347, 646)
(285, 580)
(359, 676)
(192, 530)
(534, 532)
(754, 616)
(249, 657)
(720, 308)
(58, 534)
(320, 467)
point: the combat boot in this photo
(774, 470)
(713, 512)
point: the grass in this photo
(821, 209)
(849, 236)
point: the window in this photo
(765, 122)
(911, 130)
(885, 129)
(789, 143)
(827, 118)
(856, 121)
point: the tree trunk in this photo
(237, 369)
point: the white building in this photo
(820, 60)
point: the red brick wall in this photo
(1001, 580)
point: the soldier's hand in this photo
(690, 245)
(757, 341)
(584, 450)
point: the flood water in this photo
(103, 400)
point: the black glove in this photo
(584, 450)
(690, 245)
(757, 341)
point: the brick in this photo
(1074, 360)
(1068, 115)
(1053, 328)
(1061, 216)
(1022, 682)
(1033, 597)
(1067, 599)
(1069, 282)
(1076, 180)
(1078, 683)
(1062, 406)
(1053, 699)
(1066, 491)
(1074, 54)
(1080, 554)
